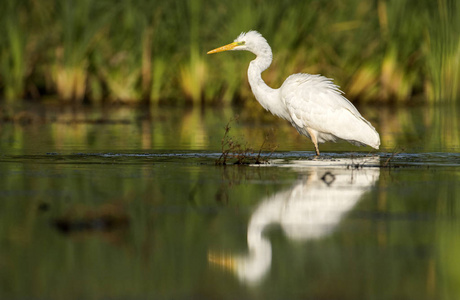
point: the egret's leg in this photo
(316, 148)
(314, 140)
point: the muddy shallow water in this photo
(129, 204)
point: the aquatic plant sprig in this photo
(242, 153)
(393, 154)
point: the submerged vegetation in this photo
(155, 51)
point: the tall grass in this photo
(12, 49)
(135, 50)
(76, 30)
(443, 48)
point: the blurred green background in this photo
(156, 164)
(155, 51)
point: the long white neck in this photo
(269, 98)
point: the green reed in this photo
(443, 47)
(134, 50)
(12, 50)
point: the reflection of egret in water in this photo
(310, 209)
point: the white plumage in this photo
(312, 103)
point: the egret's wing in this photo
(313, 101)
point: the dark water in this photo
(128, 204)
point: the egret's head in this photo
(249, 41)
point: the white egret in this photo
(312, 103)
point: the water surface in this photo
(127, 203)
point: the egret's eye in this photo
(241, 43)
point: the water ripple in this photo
(432, 159)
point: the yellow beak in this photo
(224, 48)
(226, 261)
